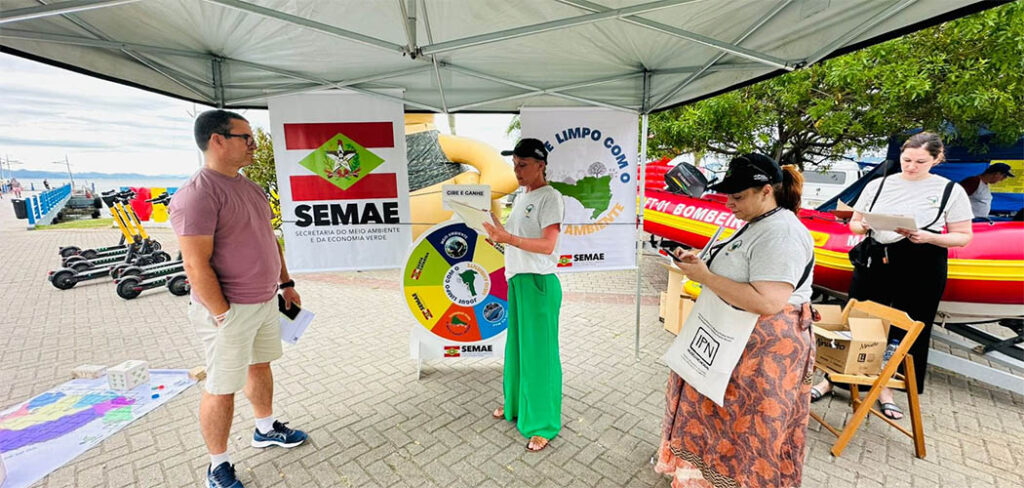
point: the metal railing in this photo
(43, 207)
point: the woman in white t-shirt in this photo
(532, 376)
(907, 269)
(757, 437)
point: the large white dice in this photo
(128, 375)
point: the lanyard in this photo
(718, 247)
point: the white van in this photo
(821, 185)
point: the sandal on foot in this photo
(499, 413)
(537, 439)
(890, 410)
(816, 394)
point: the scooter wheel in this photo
(66, 252)
(63, 279)
(126, 288)
(179, 286)
(129, 271)
(88, 254)
(161, 257)
(80, 266)
(115, 272)
(74, 258)
(156, 246)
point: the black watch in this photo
(286, 284)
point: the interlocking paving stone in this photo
(350, 383)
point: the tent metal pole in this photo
(707, 66)
(310, 24)
(321, 86)
(331, 84)
(185, 80)
(218, 81)
(547, 26)
(433, 59)
(68, 7)
(690, 36)
(640, 207)
(535, 90)
(84, 41)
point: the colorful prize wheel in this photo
(455, 284)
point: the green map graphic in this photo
(468, 278)
(594, 193)
(341, 161)
(457, 321)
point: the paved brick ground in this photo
(352, 386)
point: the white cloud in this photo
(101, 126)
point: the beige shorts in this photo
(251, 334)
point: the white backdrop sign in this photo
(592, 163)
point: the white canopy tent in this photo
(457, 55)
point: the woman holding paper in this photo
(532, 376)
(906, 269)
(756, 438)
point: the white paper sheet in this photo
(292, 330)
(473, 217)
(879, 221)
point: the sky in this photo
(50, 113)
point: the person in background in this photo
(532, 376)
(236, 267)
(46, 184)
(16, 187)
(977, 188)
(908, 271)
(757, 438)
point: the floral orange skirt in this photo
(757, 439)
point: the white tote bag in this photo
(709, 345)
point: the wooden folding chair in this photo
(889, 377)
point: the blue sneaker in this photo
(280, 436)
(223, 477)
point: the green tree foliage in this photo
(263, 172)
(965, 73)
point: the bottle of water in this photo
(889, 351)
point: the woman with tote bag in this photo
(756, 438)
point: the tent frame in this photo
(211, 89)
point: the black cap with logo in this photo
(529, 148)
(1001, 168)
(749, 171)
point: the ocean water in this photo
(103, 184)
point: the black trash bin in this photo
(20, 211)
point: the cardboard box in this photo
(850, 343)
(662, 302)
(682, 312)
(128, 375)
(672, 296)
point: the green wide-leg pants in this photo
(533, 370)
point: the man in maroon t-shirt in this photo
(235, 266)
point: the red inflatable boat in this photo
(986, 278)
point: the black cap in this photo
(1000, 168)
(529, 148)
(749, 171)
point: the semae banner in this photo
(341, 176)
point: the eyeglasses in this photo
(248, 138)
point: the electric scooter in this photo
(130, 287)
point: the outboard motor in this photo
(687, 180)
